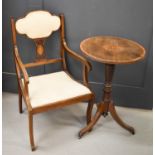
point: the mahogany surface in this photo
(112, 50)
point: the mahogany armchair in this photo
(47, 91)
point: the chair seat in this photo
(54, 87)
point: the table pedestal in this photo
(106, 105)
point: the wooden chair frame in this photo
(22, 74)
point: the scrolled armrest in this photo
(86, 64)
(77, 56)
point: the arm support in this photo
(77, 56)
(86, 65)
(21, 66)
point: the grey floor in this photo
(56, 132)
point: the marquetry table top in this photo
(112, 50)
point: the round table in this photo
(109, 50)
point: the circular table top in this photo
(112, 50)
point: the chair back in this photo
(37, 26)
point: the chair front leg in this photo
(85, 75)
(30, 115)
(89, 110)
(20, 99)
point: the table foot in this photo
(105, 114)
(90, 125)
(33, 148)
(118, 119)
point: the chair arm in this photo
(87, 66)
(21, 65)
(77, 56)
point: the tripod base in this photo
(101, 110)
(107, 104)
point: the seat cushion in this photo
(53, 87)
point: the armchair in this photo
(56, 89)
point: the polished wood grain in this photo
(112, 50)
(42, 62)
(21, 71)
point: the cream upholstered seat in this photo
(54, 87)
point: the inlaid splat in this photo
(40, 52)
